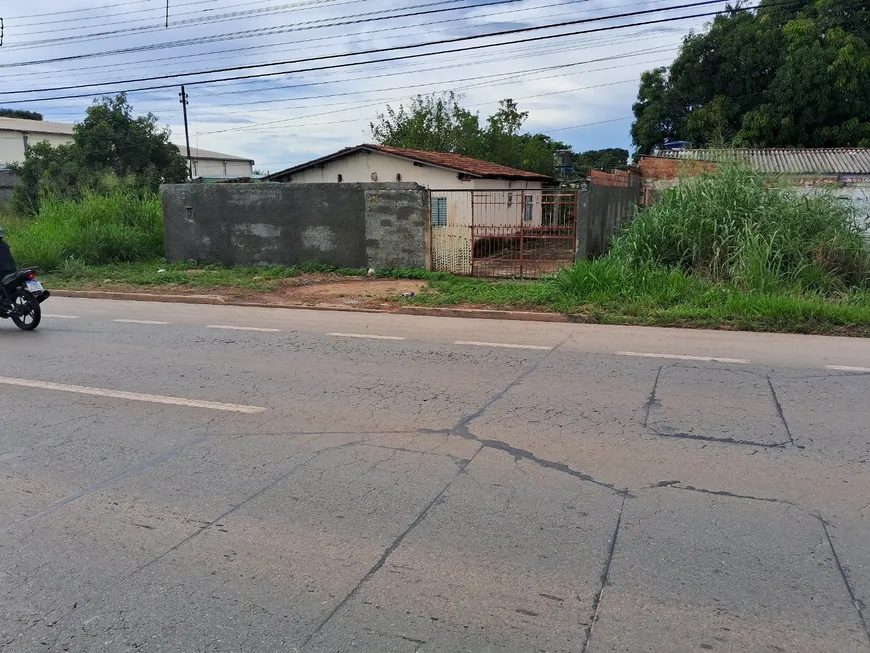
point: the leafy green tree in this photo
(438, 123)
(20, 113)
(111, 140)
(110, 146)
(784, 75)
(607, 159)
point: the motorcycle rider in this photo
(7, 266)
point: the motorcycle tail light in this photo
(31, 276)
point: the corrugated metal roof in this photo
(199, 153)
(35, 126)
(791, 161)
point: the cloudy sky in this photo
(576, 87)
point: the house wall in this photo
(12, 143)
(361, 166)
(221, 168)
(347, 225)
(8, 182)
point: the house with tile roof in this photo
(512, 195)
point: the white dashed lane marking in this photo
(846, 368)
(131, 396)
(717, 359)
(140, 322)
(364, 335)
(242, 328)
(60, 317)
(503, 345)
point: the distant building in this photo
(17, 134)
(214, 164)
(845, 172)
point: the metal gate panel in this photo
(523, 234)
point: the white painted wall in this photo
(219, 168)
(12, 143)
(363, 167)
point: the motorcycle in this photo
(21, 294)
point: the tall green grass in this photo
(98, 229)
(741, 227)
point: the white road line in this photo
(503, 345)
(846, 368)
(364, 335)
(60, 317)
(132, 396)
(139, 322)
(241, 328)
(717, 359)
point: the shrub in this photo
(121, 226)
(739, 226)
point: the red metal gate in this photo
(522, 234)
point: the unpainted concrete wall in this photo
(346, 225)
(8, 182)
(603, 211)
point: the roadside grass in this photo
(118, 227)
(731, 250)
(74, 274)
(602, 291)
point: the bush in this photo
(118, 227)
(741, 227)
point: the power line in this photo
(74, 11)
(403, 57)
(173, 23)
(590, 124)
(205, 55)
(152, 10)
(100, 36)
(513, 76)
(510, 73)
(396, 48)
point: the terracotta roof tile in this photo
(460, 163)
(457, 162)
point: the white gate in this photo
(450, 216)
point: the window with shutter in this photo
(439, 211)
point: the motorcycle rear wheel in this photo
(26, 312)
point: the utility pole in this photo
(167, 14)
(183, 96)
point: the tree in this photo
(111, 140)
(438, 123)
(784, 75)
(19, 113)
(109, 146)
(607, 159)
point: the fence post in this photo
(427, 236)
(582, 219)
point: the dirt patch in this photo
(318, 289)
(307, 290)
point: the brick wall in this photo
(617, 178)
(658, 173)
(653, 167)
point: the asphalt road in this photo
(173, 481)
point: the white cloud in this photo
(288, 118)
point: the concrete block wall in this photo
(346, 225)
(8, 182)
